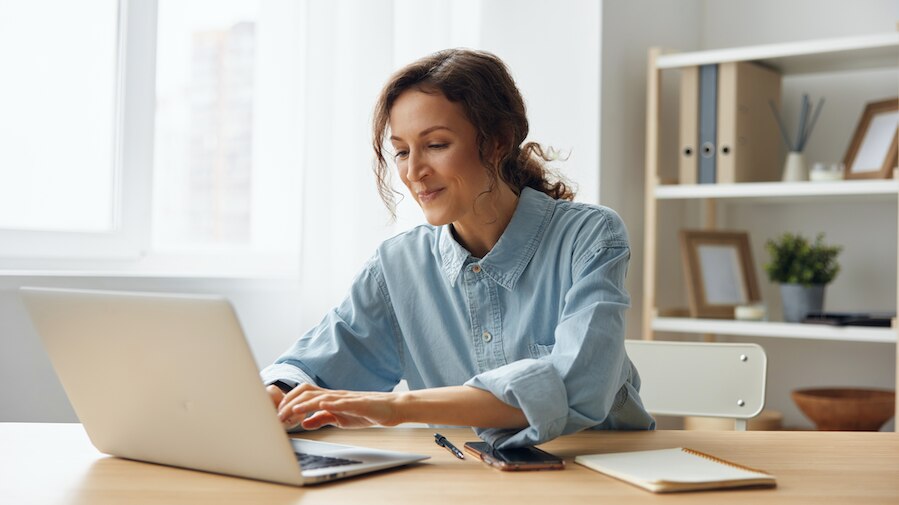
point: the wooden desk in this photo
(55, 464)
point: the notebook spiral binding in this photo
(722, 461)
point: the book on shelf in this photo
(727, 132)
(689, 125)
(749, 146)
(708, 123)
(675, 470)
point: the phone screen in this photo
(523, 458)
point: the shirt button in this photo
(487, 336)
(476, 268)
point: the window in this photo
(58, 113)
(166, 137)
(228, 127)
(204, 134)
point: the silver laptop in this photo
(170, 379)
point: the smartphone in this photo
(523, 458)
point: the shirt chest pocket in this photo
(538, 351)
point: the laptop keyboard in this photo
(313, 461)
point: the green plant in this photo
(794, 260)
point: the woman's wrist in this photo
(404, 407)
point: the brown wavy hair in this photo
(480, 82)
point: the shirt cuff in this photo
(533, 386)
(288, 374)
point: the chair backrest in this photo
(701, 378)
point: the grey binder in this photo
(708, 122)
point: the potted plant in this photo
(802, 269)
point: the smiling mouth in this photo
(430, 195)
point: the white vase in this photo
(794, 168)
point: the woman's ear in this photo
(498, 150)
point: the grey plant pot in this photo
(799, 300)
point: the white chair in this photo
(701, 378)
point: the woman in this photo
(504, 313)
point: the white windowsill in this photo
(174, 266)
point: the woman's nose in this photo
(416, 167)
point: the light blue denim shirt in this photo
(538, 322)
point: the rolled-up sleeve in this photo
(534, 386)
(357, 346)
(581, 382)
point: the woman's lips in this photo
(429, 195)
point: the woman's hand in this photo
(345, 409)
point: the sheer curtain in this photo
(352, 47)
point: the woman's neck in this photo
(481, 230)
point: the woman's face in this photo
(436, 154)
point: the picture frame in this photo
(719, 271)
(874, 151)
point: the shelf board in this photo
(774, 329)
(864, 189)
(803, 57)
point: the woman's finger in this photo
(308, 404)
(275, 393)
(313, 403)
(319, 419)
(287, 408)
(297, 391)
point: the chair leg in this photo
(740, 424)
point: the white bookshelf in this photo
(774, 329)
(813, 56)
(882, 189)
(877, 51)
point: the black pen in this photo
(442, 441)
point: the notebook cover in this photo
(675, 470)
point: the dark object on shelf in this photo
(850, 319)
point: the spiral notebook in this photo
(678, 469)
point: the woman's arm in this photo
(357, 345)
(454, 405)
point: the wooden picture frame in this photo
(872, 154)
(719, 271)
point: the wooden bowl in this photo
(846, 409)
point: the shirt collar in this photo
(515, 248)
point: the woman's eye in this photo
(401, 155)
(437, 146)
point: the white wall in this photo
(552, 50)
(869, 259)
